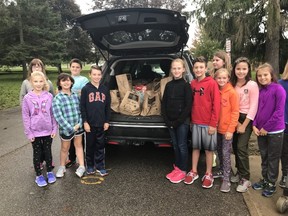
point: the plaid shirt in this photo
(66, 111)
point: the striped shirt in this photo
(66, 111)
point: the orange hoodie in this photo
(229, 111)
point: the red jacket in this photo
(206, 102)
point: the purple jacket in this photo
(37, 115)
(270, 114)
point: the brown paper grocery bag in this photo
(151, 104)
(124, 82)
(115, 100)
(130, 105)
(163, 83)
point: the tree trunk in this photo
(273, 35)
(59, 68)
(24, 69)
(21, 38)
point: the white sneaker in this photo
(80, 171)
(243, 186)
(60, 172)
(235, 178)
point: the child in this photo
(66, 110)
(248, 94)
(79, 83)
(34, 65)
(95, 110)
(176, 109)
(229, 114)
(220, 60)
(204, 116)
(40, 126)
(284, 156)
(268, 126)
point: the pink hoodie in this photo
(37, 115)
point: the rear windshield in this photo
(157, 35)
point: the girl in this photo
(229, 114)
(248, 94)
(268, 126)
(220, 60)
(284, 156)
(34, 65)
(40, 126)
(66, 110)
(175, 109)
(79, 83)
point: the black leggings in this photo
(42, 146)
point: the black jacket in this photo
(176, 102)
(95, 105)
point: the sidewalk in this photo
(257, 204)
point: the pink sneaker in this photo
(207, 180)
(178, 177)
(174, 171)
(191, 177)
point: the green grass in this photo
(10, 84)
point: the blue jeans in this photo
(179, 140)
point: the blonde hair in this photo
(285, 72)
(222, 70)
(179, 60)
(40, 74)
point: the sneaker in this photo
(269, 190)
(90, 171)
(235, 178)
(51, 177)
(225, 186)
(191, 177)
(218, 174)
(243, 186)
(80, 171)
(70, 163)
(207, 180)
(260, 185)
(282, 182)
(102, 172)
(169, 175)
(40, 181)
(60, 172)
(178, 177)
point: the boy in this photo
(95, 110)
(79, 82)
(204, 118)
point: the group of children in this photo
(78, 106)
(225, 108)
(221, 109)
